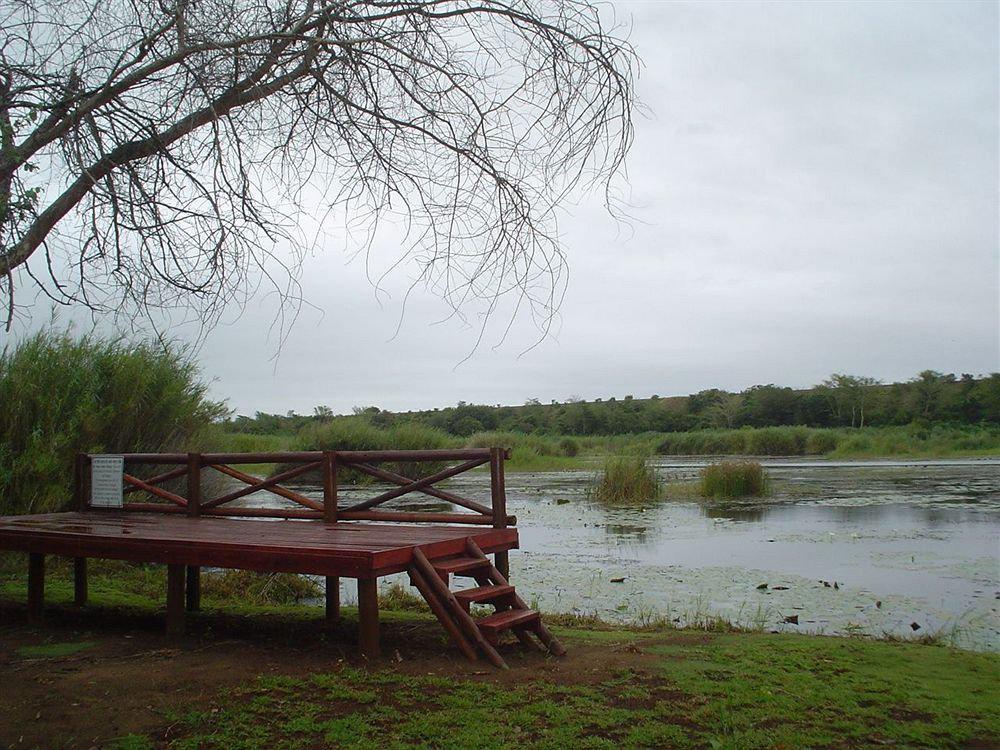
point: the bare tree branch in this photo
(157, 153)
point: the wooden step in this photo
(461, 566)
(496, 623)
(481, 594)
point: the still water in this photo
(908, 548)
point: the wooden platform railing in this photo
(328, 464)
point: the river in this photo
(901, 548)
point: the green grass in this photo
(733, 479)
(535, 453)
(682, 689)
(131, 742)
(626, 480)
(53, 650)
(721, 691)
(909, 441)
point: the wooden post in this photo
(498, 494)
(175, 601)
(79, 581)
(368, 617)
(36, 586)
(330, 487)
(192, 588)
(80, 500)
(332, 600)
(194, 484)
(330, 516)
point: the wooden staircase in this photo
(453, 608)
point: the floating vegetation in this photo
(733, 479)
(626, 480)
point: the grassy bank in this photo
(719, 692)
(566, 452)
(616, 689)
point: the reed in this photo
(733, 479)
(62, 395)
(626, 480)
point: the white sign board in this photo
(106, 474)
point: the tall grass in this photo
(626, 480)
(61, 395)
(733, 479)
(869, 442)
(530, 452)
(357, 434)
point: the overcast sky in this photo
(814, 189)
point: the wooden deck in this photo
(188, 532)
(345, 549)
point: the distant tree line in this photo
(840, 401)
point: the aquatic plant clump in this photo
(733, 479)
(626, 479)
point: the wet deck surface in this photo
(353, 550)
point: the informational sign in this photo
(106, 474)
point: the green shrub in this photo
(62, 395)
(626, 480)
(733, 479)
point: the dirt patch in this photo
(132, 679)
(904, 714)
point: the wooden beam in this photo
(391, 476)
(165, 476)
(239, 512)
(543, 633)
(157, 491)
(419, 484)
(441, 612)
(192, 589)
(261, 485)
(456, 454)
(462, 618)
(79, 581)
(368, 617)
(175, 601)
(417, 516)
(284, 492)
(36, 586)
(332, 600)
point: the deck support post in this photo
(175, 601)
(79, 581)
(368, 617)
(192, 588)
(330, 487)
(498, 496)
(332, 600)
(36, 586)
